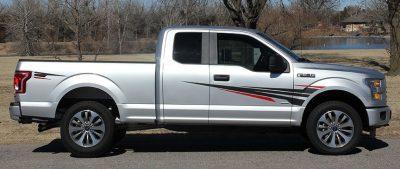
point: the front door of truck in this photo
(242, 89)
(184, 100)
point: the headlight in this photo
(376, 88)
(376, 83)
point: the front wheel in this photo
(334, 127)
(87, 129)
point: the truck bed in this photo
(129, 83)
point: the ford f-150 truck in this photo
(202, 76)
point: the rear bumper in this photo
(15, 111)
(16, 114)
(379, 116)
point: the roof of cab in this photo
(221, 28)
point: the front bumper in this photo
(379, 116)
(15, 111)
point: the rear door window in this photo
(188, 48)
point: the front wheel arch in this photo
(337, 95)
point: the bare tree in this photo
(167, 12)
(109, 25)
(394, 23)
(122, 14)
(108, 21)
(77, 16)
(52, 24)
(318, 11)
(220, 14)
(152, 21)
(24, 24)
(2, 8)
(317, 6)
(2, 21)
(245, 13)
(182, 12)
(284, 21)
(377, 13)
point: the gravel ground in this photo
(205, 151)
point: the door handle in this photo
(221, 77)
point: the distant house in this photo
(355, 23)
(362, 23)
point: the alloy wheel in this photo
(86, 128)
(335, 128)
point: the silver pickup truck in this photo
(202, 76)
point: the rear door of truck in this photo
(185, 65)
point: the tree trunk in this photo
(108, 24)
(394, 23)
(78, 43)
(26, 35)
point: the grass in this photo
(11, 132)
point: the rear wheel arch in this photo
(336, 95)
(86, 94)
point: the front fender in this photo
(362, 92)
(332, 84)
(88, 80)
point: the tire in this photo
(119, 133)
(334, 118)
(96, 137)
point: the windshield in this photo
(282, 47)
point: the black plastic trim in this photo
(33, 119)
(376, 107)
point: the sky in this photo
(343, 3)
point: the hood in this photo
(322, 66)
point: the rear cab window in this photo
(190, 48)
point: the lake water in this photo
(346, 42)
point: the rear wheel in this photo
(87, 129)
(334, 127)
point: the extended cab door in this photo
(186, 64)
(242, 89)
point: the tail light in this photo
(20, 79)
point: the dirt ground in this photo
(11, 132)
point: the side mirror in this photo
(277, 64)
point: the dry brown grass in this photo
(11, 132)
(5, 48)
